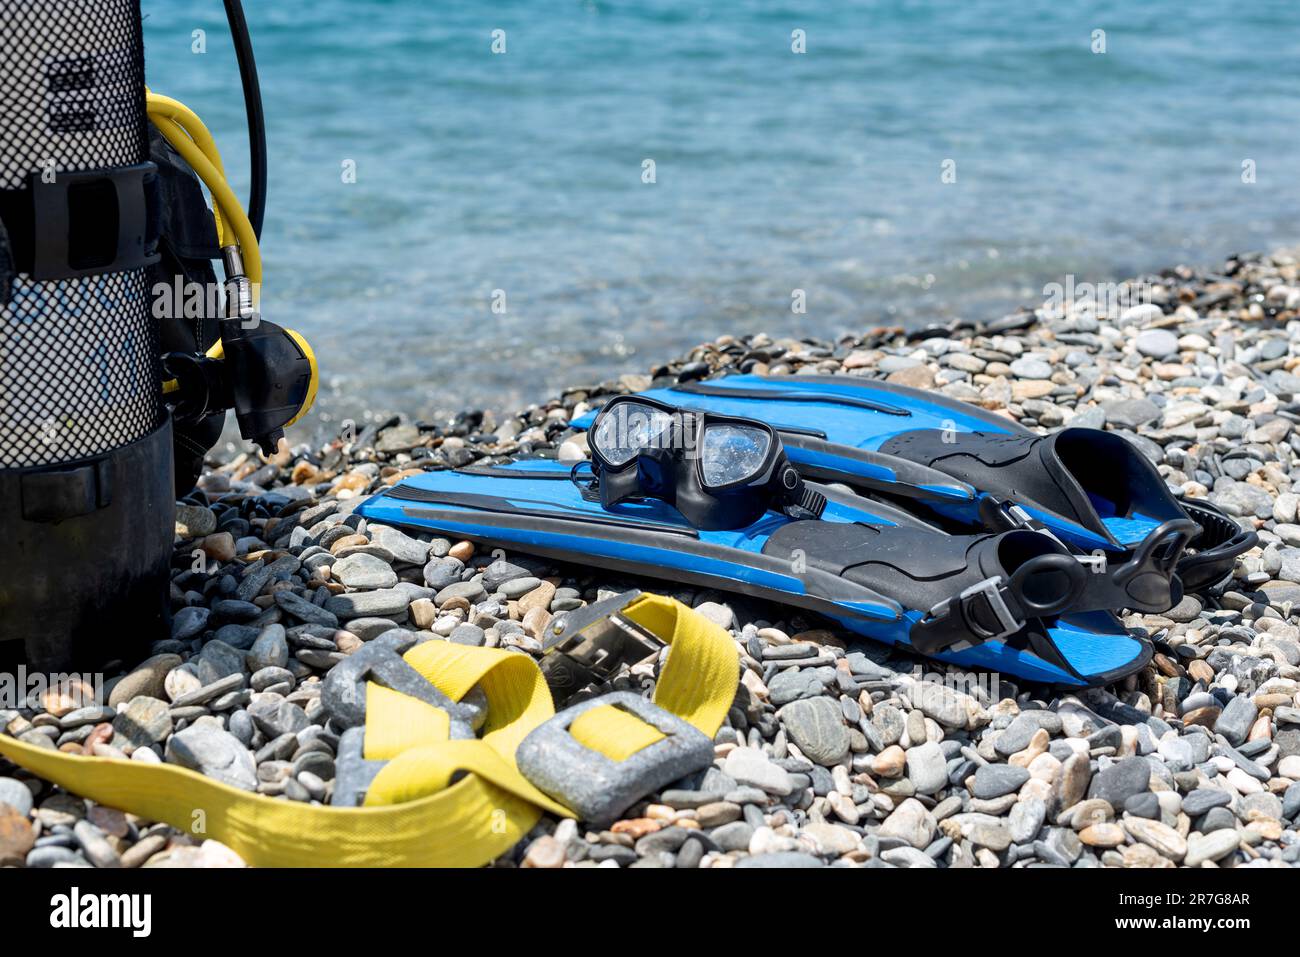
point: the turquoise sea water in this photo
(522, 171)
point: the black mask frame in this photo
(670, 465)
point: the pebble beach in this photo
(836, 751)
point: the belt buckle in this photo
(343, 692)
(597, 788)
(590, 645)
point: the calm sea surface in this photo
(517, 180)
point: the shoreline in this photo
(849, 758)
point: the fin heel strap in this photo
(996, 608)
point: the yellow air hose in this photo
(190, 138)
(188, 135)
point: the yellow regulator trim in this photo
(313, 385)
(218, 351)
(413, 815)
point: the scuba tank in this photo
(109, 403)
(85, 446)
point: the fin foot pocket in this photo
(1220, 541)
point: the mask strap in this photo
(797, 499)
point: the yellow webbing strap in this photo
(613, 732)
(414, 816)
(396, 722)
(698, 682)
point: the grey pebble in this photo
(1201, 800)
(214, 753)
(794, 684)
(471, 591)
(16, 794)
(817, 727)
(1235, 720)
(995, 780)
(1119, 782)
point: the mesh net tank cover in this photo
(78, 357)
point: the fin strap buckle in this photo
(996, 512)
(979, 613)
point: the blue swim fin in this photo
(1090, 489)
(991, 600)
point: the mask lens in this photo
(733, 453)
(627, 428)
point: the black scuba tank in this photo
(86, 491)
